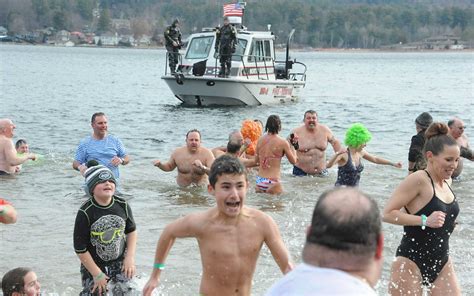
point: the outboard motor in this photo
(280, 71)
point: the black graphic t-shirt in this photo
(102, 230)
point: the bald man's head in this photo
(345, 219)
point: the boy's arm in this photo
(100, 279)
(183, 227)
(128, 267)
(275, 243)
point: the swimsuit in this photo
(429, 248)
(266, 159)
(349, 174)
(299, 172)
(3, 173)
(265, 183)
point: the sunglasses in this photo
(109, 235)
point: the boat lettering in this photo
(282, 91)
(264, 90)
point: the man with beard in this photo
(193, 161)
(312, 138)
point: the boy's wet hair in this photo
(228, 165)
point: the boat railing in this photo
(180, 60)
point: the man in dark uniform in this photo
(226, 40)
(173, 44)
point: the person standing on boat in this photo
(173, 44)
(226, 40)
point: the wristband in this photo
(100, 276)
(423, 221)
(159, 266)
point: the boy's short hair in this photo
(228, 165)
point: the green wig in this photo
(357, 135)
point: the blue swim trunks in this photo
(300, 173)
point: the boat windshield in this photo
(239, 50)
(199, 47)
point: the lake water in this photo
(51, 92)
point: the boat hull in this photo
(212, 91)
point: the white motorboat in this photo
(256, 77)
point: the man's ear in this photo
(210, 189)
(379, 249)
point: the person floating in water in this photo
(349, 160)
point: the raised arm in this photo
(275, 244)
(183, 227)
(167, 166)
(12, 158)
(379, 160)
(336, 145)
(290, 153)
(339, 157)
(406, 192)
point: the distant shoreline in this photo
(333, 50)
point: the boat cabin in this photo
(254, 57)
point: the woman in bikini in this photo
(270, 150)
(350, 160)
(427, 208)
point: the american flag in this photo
(234, 9)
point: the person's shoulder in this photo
(259, 216)
(86, 205)
(85, 140)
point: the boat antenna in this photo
(288, 63)
(242, 4)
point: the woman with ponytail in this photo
(427, 208)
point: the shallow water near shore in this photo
(51, 92)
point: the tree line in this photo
(318, 23)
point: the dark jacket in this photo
(172, 33)
(226, 39)
(415, 153)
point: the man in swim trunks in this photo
(9, 160)
(313, 139)
(270, 150)
(343, 250)
(230, 236)
(456, 130)
(192, 160)
(106, 149)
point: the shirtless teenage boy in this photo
(193, 161)
(230, 235)
(313, 139)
